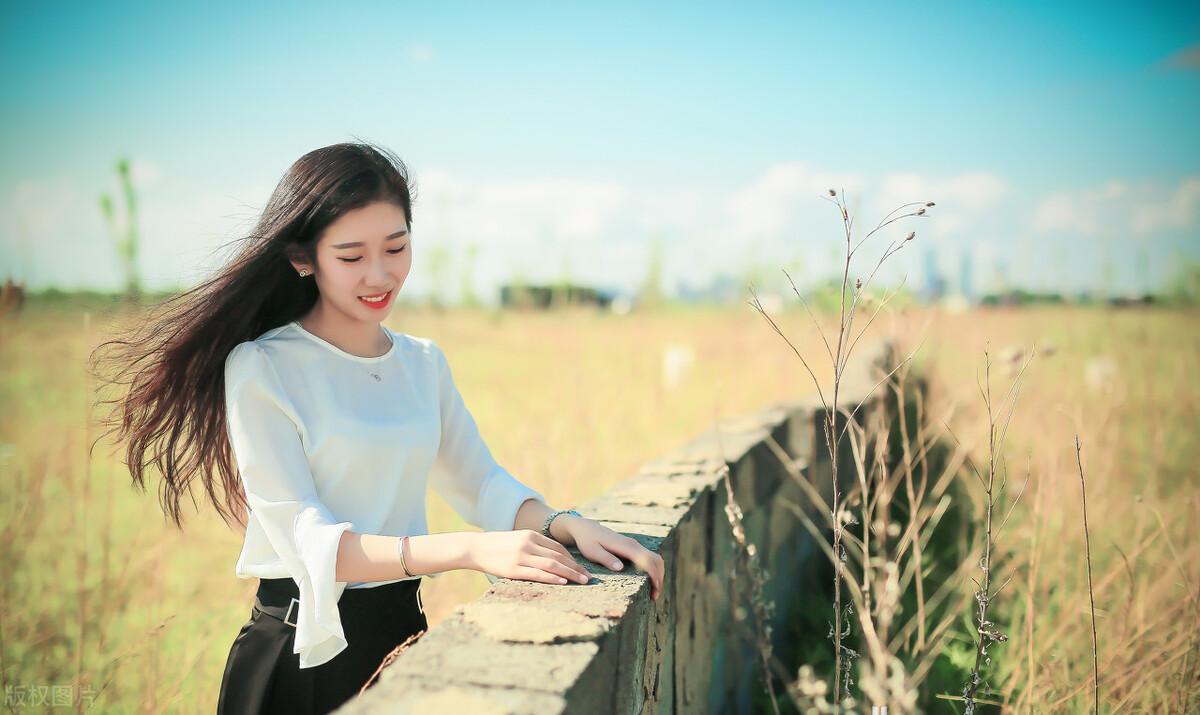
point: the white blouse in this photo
(323, 445)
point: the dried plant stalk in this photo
(986, 632)
(1087, 545)
(839, 353)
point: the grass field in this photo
(102, 599)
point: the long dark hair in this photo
(172, 415)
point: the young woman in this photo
(316, 429)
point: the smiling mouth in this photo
(375, 299)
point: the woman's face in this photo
(366, 252)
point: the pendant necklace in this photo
(376, 375)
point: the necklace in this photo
(371, 365)
(376, 375)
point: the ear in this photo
(299, 264)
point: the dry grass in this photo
(99, 591)
(892, 676)
(1141, 482)
(1056, 632)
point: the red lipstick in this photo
(379, 305)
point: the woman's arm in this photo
(532, 514)
(372, 557)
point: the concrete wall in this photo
(605, 647)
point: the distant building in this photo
(965, 275)
(546, 297)
(935, 284)
(961, 297)
(721, 289)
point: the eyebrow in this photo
(355, 244)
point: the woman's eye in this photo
(356, 260)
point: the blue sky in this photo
(563, 138)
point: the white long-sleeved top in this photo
(322, 447)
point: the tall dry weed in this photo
(869, 571)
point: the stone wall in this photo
(605, 647)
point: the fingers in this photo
(645, 559)
(558, 550)
(656, 589)
(566, 560)
(654, 567)
(652, 564)
(559, 569)
(606, 557)
(533, 573)
(551, 544)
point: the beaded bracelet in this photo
(550, 519)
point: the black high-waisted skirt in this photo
(263, 675)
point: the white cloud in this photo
(1179, 210)
(771, 205)
(674, 212)
(506, 210)
(420, 52)
(41, 208)
(538, 228)
(781, 202)
(184, 236)
(972, 190)
(1116, 208)
(145, 174)
(570, 209)
(962, 200)
(1063, 212)
(54, 233)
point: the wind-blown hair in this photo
(172, 361)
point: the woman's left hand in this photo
(606, 547)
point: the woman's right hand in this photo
(526, 555)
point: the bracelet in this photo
(546, 525)
(400, 550)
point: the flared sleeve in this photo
(264, 433)
(464, 473)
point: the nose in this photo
(378, 277)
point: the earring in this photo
(303, 272)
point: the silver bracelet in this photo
(400, 550)
(546, 525)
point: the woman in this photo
(316, 429)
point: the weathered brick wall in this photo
(605, 647)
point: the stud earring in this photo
(303, 272)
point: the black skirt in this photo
(263, 675)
